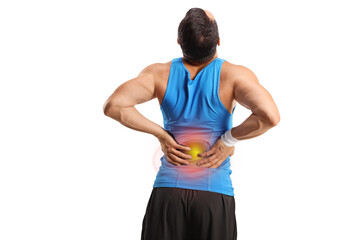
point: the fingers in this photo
(175, 149)
(208, 161)
(181, 154)
(171, 161)
(217, 157)
(177, 159)
(209, 164)
(207, 153)
(170, 148)
(181, 147)
(216, 165)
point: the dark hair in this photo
(198, 36)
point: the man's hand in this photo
(170, 148)
(217, 155)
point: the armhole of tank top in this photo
(218, 88)
(167, 84)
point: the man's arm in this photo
(120, 105)
(251, 94)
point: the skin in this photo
(237, 84)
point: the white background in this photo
(69, 172)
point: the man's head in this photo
(198, 36)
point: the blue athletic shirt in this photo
(192, 111)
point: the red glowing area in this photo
(197, 147)
(198, 144)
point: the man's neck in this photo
(200, 65)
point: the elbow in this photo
(274, 119)
(113, 110)
(270, 117)
(106, 108)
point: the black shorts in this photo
(187, 214)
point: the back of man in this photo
(194, 202)
(188, 200)
(229, 73)
(183, 195)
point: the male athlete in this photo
(192, 196)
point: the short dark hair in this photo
(198, 36)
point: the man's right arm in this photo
(249, 93)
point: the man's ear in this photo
(219, 41)
(178, 41)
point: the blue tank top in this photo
(193, 113)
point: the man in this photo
(192, 196)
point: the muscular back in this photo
(237, 84)
(226, 86)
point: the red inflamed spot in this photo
(197, 146)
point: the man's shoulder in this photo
(237, 72)
(229, 70)
(234, 69)
(158, 68)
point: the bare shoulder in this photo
(245, 85)
(157, 70)
(159, 74)
(238, 74)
